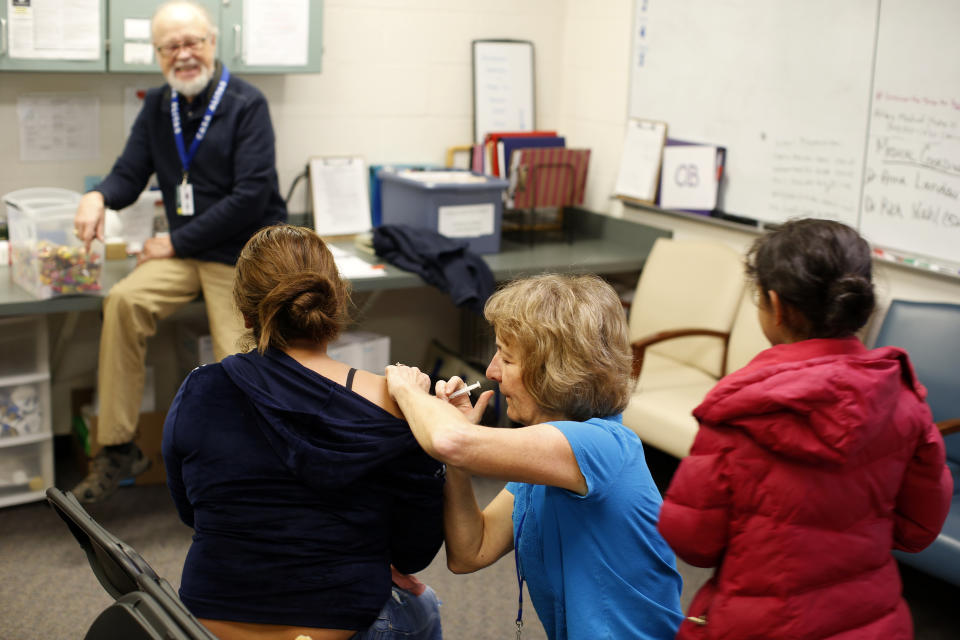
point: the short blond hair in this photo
(569, 333)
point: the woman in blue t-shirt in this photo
(580, 508)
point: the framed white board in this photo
(503, 87)
(840, 110)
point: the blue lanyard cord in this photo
(516, 558)
(187, 157)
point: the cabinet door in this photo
(131, 47)
(272, 36)
(50, 36)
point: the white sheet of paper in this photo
(466, 220)
(640, 162)
(276, 32)
(353, 267)
(341, 197)
(54, 30)
(136, 29)
(59, 128)
(689, 177)
(431, 178)
(137, 53)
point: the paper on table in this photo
(640, 164)
(442, 177)
(352, 267)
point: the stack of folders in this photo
(495, 156)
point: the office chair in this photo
(146, 607)
(930, 333)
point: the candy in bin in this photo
(68, 269)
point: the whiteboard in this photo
(911, 195)
(807, 97)
(503, 89)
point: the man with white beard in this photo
(209, 139)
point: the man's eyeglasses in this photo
(190, 44)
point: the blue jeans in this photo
(406, 617)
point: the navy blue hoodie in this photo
(301, 494)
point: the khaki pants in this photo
(151, 292)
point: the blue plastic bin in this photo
(376, 216)
(472, 212)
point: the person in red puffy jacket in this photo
(811, 463)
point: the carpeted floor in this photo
(47, 589)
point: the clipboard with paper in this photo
(639, 174)
(340, 195)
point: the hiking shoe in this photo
(107, 469)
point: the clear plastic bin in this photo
(47, 259)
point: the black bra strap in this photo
(350, 375)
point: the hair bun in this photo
(851, 302)
(288, 288)
(307, 294)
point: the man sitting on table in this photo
(209, 139)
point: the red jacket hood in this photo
(825, 423)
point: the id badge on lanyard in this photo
(185, 204)
(185, 198)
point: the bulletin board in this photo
(503, 87)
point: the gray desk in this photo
(601, 245)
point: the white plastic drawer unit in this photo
(23, 346)
(24, 407)
(26, 470)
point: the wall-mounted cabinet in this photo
(255, 36)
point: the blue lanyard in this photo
(516, 557)
(187, 157)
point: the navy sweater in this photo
(233, 174)
(300, 493)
